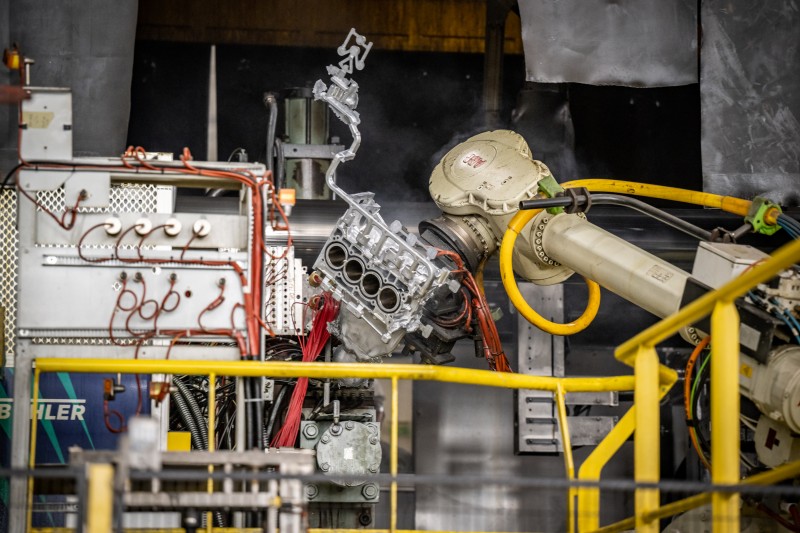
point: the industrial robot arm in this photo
(481, 185)
(396, 288)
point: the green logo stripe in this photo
(66, 382)
(51, 434)
(5, 424)
(49, 514)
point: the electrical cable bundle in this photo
(774, 307)
(690, 396)
(790, 225)
(492, 347)
(325, 310)
(693, 394)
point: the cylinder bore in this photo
(336, 255)
(370, 284)
(388, 299)
(353, 270)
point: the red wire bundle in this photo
(492, 347)
(325, 311)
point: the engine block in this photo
(382, 274)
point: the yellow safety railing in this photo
(558, 386)
(639, 352)
(650, 382)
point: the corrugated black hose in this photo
(194, 409)
(188, 419)
(273, 416)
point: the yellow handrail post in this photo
(569, 462)
(647, 438)
(37, 374)
(725, 415)
(589, 497)
(101, 497)
(393, 456)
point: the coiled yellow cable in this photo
(507, 275)
(730, 204)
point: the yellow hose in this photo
(507, 275)
(730, 204)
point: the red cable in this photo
(492, 347)
(311, 346)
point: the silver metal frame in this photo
(39, 333)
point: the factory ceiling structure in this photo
(408, 265)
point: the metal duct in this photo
(647, 43)
(86, 45)
(8, 114)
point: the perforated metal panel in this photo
(125, 198)
(8, 267)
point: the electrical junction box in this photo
(717, 263)
(46, 127)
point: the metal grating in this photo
(125, 198)
(8, 267)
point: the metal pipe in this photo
(280, 166)
(496, 13)
(654, 212)
(741, 231)
(737, 206)
(621, 201)
(23, 433)
(546, 203)
(272, 104)
(240, 416)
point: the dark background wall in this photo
(414, 107)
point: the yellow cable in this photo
(737, 206)
(507, 275)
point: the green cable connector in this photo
(550, 187)
(763, 216)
